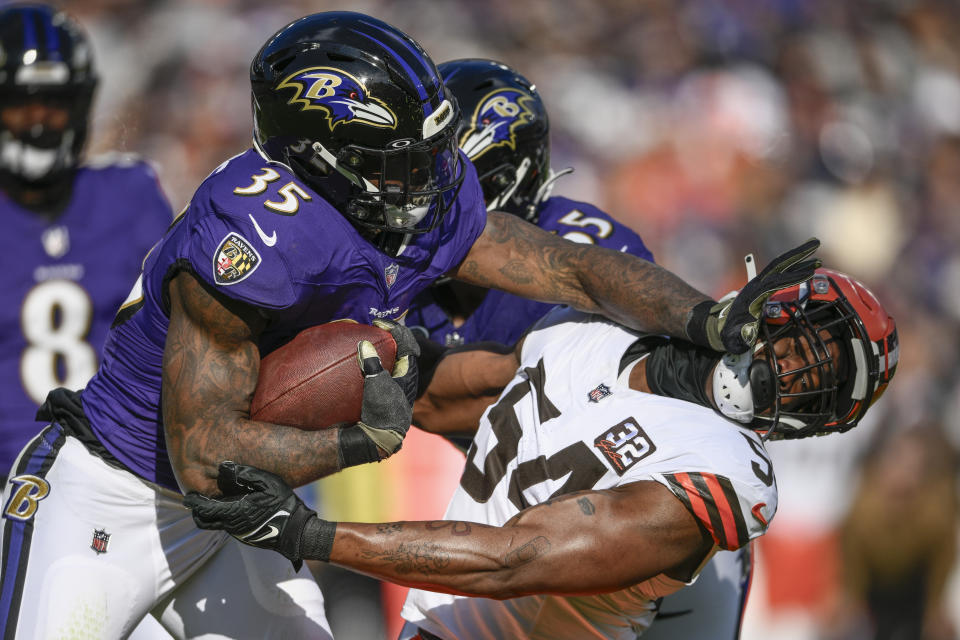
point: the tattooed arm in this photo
(603, 540)
(210, 368)
(521, 258)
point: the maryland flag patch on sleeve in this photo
(713, 501)
(234, 260)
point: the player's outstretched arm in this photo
(583, 543)
(520, 258)
(210, 368)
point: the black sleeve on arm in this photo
(431, 353)
(675, 368)
(316, 540)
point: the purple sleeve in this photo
(222, 246)
(225, 255)
(464, 223)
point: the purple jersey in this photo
(64, 280)
(257, 234)
(503, 317)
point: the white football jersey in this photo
(568, 422)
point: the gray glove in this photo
(734, 325)
(387, 408)
(405, 366)
(386, 412)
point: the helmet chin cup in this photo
(402, 218)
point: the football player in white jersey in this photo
(585, 498)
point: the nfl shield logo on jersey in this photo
(390, 273)
(56, 241)
(598, 394)
(234, 260)
(100, 541)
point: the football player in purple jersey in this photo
(75, 233)
(353, 199)
(505, 131)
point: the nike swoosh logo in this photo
(272, 531)
(268, 240)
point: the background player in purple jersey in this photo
(74, 234)
(353, 200)
(505, 131)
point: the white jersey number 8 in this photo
(55, 319)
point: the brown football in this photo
(314, 381)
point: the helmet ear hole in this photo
(349, 158)
(763, 382)
(358, 211)
(501, 179)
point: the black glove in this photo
(734, 325)
(405, 365)
(257, 508)
(387, 408)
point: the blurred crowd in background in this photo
(714, 128)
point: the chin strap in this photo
(544, 191)
(519, 174)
